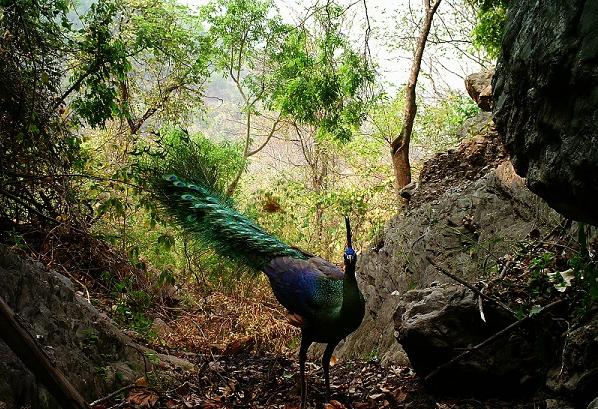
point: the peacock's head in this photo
(349, 256)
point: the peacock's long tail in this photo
(208, 218)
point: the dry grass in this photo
(214, 318)
(231, 321)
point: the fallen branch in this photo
(481, 304)
(471, 287)
(35, 359)
(489, 340)
(113, 394)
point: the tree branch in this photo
(488, 340)
(26, 349)
(469, 286)
(268, 137)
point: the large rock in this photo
(479, 88)
(546, 101)
(467, 212)
(577, 375)
(83, 343)
(436, 324)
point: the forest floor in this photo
(265, 380)
(245, 356)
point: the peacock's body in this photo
(322, 300)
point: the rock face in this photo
(466, 212)
(546, 101)
(578, 374)
(85, 345)
(436, 324)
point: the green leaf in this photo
(535, 310)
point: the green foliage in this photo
(131, 306)
(102, 60)
(312, 219)
(539, 284)
(310, 75)
(34, 139)
(55, 75)
(244, 35)
(437, 123)
(488, 32)
(191, 157)
(129, 44)
(241, 31)
(172, 56)
(90, 338)
(131, 219)
(586, 272)
(373, 356)
(585, 266)
(321, 81)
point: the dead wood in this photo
(469, 286)
(489, 340)
(26, 349)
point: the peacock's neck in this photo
(352, 298)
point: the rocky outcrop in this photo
(83, 343)
(577, 376)
(470, 209)
(546, 101)
(436, 324)
(479, 88)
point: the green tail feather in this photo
(214, 222)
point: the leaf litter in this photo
(266, 380)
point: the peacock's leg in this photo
(326, 366)
(305, 343)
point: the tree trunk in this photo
(402, 167)
(27, 350)
(400, 145)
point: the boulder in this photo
(84, 343)
(546, 101)
(479, 88)
(436, 324)
(577, 374)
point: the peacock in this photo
(321, 300)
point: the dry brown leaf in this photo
(141, 381)
(334, 404)
(239, 345)
(143, 398)
(400, 396)
(174, 404)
